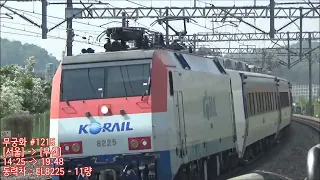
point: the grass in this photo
(41, 125)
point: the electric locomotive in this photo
(149, 112)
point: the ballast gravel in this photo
(285, 161)
(288, 159)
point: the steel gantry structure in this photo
(220, 37)
(194, 12)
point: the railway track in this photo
(311, 122)
(287, 161)
(314, 123)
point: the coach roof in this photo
(108, 56)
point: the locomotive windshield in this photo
(105, 82)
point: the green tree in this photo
(21, 91)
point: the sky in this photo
(21, 30)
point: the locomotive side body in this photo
(202, 110)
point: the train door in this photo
(179, 115)
(278, 102)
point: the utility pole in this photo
(69, 30)
(124, 19)
(289, 57)
(263, 57)
(167, 27)
(272, 30)
(194, 42)
(300, 35)
(44, 19)
(310, 75)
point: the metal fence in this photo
(40, 125)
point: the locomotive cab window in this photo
(105, 82)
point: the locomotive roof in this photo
(107, 56)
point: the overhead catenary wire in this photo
(35, 34)
(91, 32)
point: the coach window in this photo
(273, 101)
(277, 100)
(270, 101)
(253, 104)
(281, 100)
(280, 95)
(248, 104)
(256, 100)
(265, 102)
(260, 102)
(82, 84)
(255, 97)
(287, 99)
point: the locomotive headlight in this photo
(144, 142)
(66, 148)
(104, 110)
(75, 147)
(134, 143)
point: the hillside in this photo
(13, 52)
